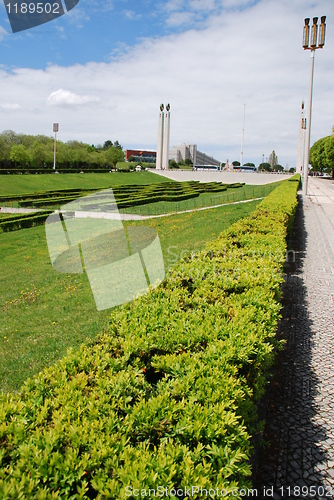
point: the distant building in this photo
(141, 155)
(190, 152)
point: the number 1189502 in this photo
(34, 8)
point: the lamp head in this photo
(306, 34)
(322, 32)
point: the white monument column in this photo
(165, 151)
(302, 127)
(160, 138)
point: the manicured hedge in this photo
(166, 397)
(126, 196)
(24, 221)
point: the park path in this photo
(299, 461)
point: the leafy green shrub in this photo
(24, 221)
(167, 395)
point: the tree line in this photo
(37, 151)
(322, 155)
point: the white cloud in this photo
(180, 19)
(65, 97)
(253, 57)
(8, 106)
(131, 14)
(3, 33)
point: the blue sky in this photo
(101, 31)
(103, 69)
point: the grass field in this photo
(44, 312)
(19, 184)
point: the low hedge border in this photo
(24, 221)
(166, 397)
(126, 196)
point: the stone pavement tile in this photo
(300, 410)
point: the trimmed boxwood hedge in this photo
(23, 221)
(166, 397)
(126, 196)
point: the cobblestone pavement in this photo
(298, 460)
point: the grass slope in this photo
(167, 396)
(43, 313)
(19, 184)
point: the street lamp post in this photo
(55, 129)
(312, 45)
(242, 140)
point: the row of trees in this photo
(322, 155)
(22, 151)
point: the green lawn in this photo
(44, 312)
(19, 184)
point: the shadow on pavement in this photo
(291, 460)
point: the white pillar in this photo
(165, 151)
(160, 138)
(300, 142)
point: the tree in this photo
(273, 160)
(37, 153)
(329, 152)
(318, 158)
(113, 155)
(19, 155)
(249, 165)
(265, 167)
(236, 163)
(173, 164)
(278, 168)
(107, 144)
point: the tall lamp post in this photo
(312, 45)
(242, 140)
(55, 129)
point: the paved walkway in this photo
(299, 461)
(252, 178)
(9, 210)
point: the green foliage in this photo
(273, 160)
(44, 313)
(278, 168)
(265, 166)
(167, 395)
(14, 223)
(322, 155)
(37, 152)
(173, 164)
(125, 195)
(19, 155)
